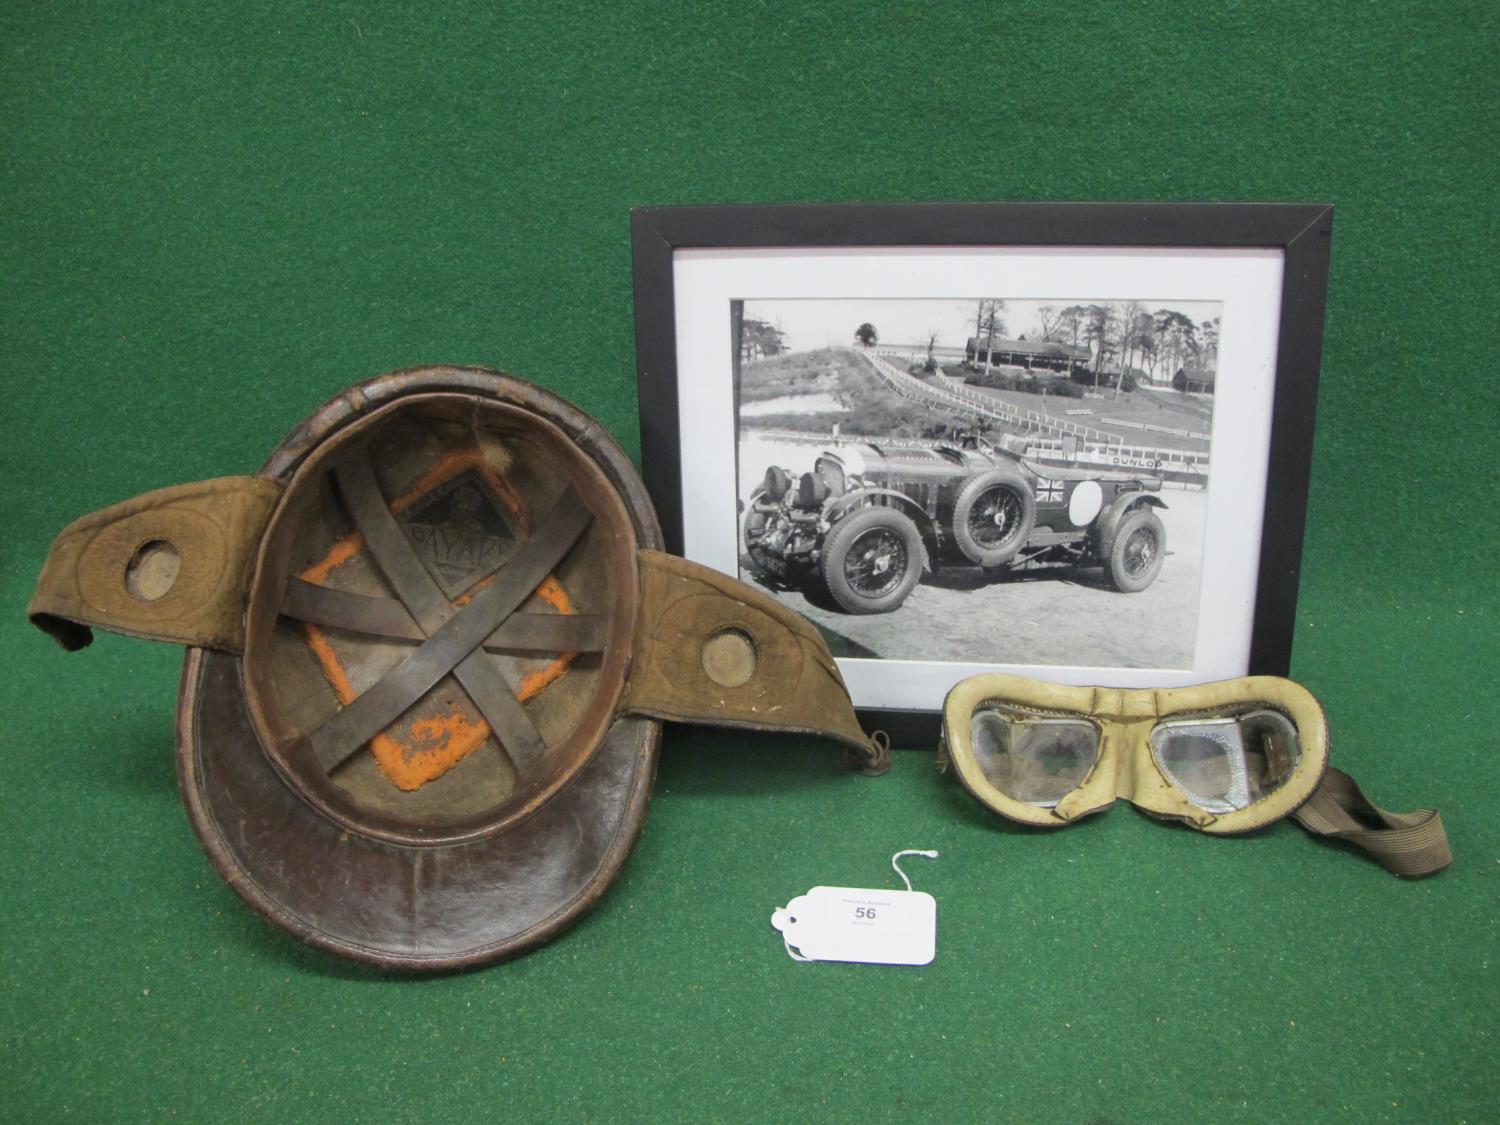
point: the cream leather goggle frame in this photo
(1225, 757)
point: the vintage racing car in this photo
(870, 517)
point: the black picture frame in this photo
(1301, 231)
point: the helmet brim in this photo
(418, 907)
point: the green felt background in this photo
(214, 216)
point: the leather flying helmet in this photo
(429, 646)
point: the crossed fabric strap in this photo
(1411, 844)
(451, 637)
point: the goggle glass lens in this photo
(1035, 759)
(1227, 763)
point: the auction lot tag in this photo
(855, 924)
(873, 927)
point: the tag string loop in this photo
(910, 851)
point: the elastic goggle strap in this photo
(1411, 844)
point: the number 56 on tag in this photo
(858, 924)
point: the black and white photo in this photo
(1065, 440)
(945, 479)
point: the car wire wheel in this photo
(876, 562)
(992, 516)
(871, 560)
(1138, 550)
(995, 518)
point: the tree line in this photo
(759, 340)
(1121, 335)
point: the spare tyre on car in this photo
(993, 515)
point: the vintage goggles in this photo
(1224, 758)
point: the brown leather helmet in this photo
(429, 646)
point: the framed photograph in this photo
(1066, 440)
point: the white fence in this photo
(997, 408)
(973, 402)
(1044, 436)
(1157, 429)
(1178, 466)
